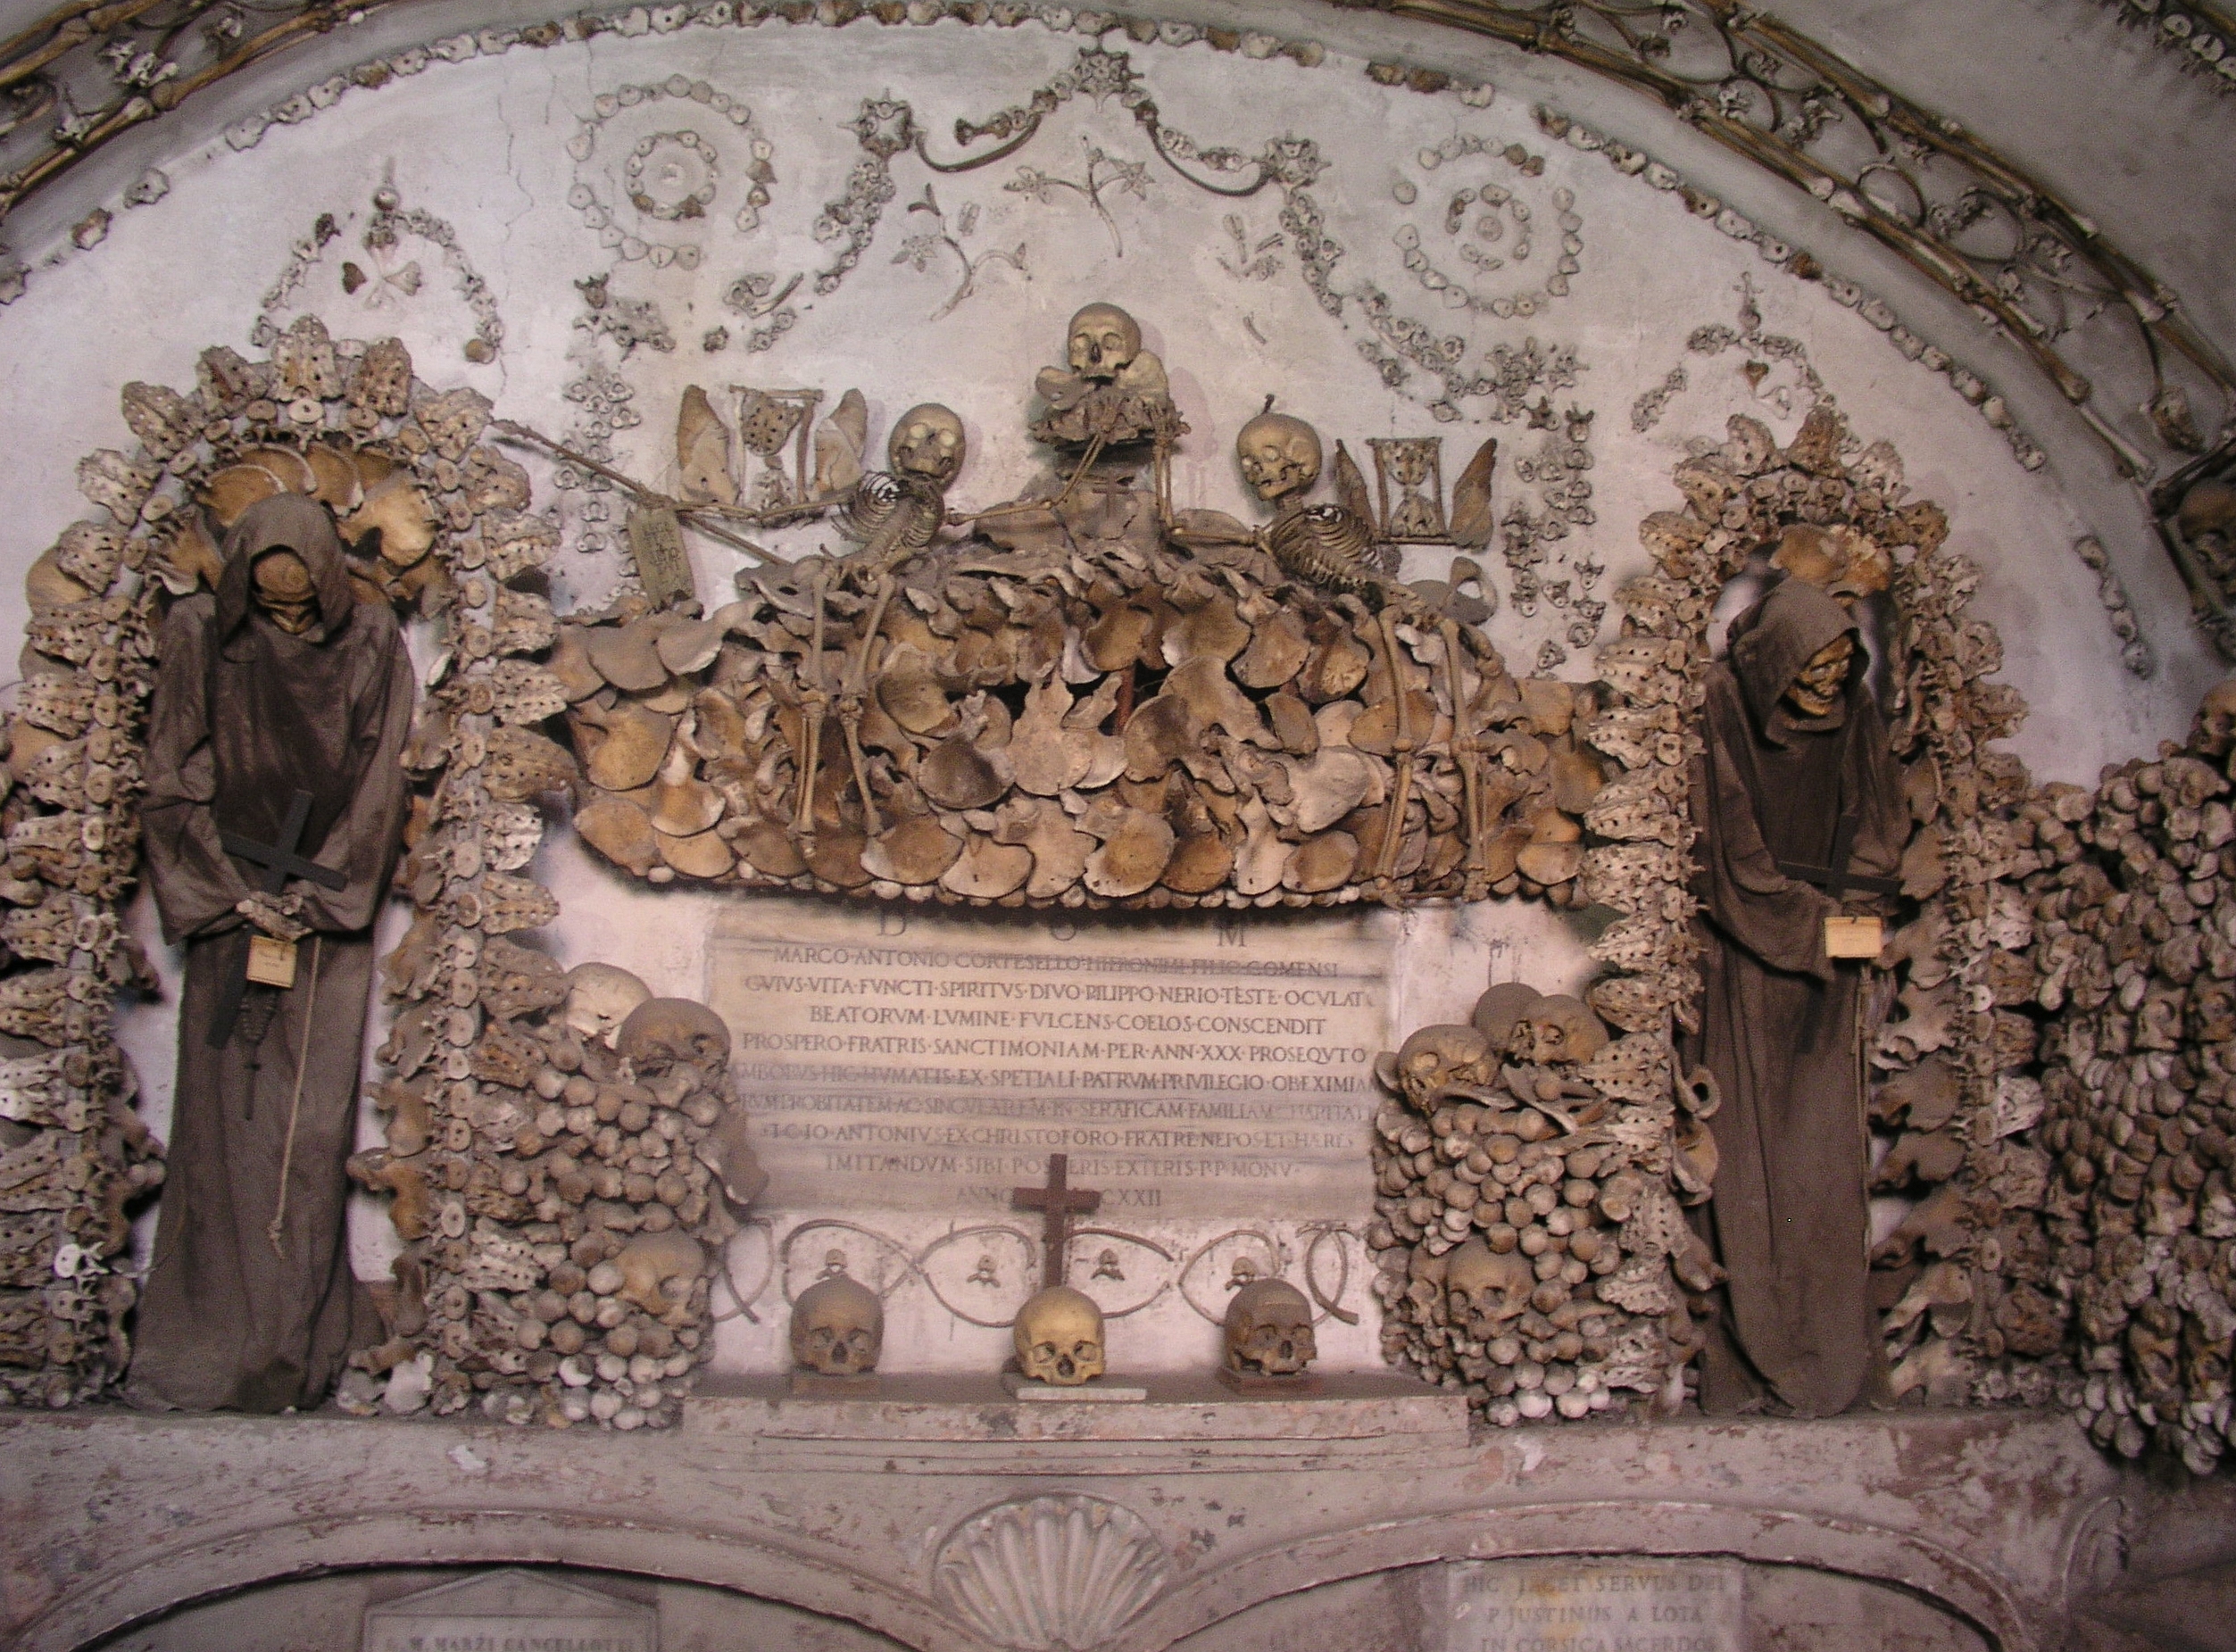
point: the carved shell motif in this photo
(1051, 1572)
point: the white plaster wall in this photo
(482, 144)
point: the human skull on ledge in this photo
(838, 1328)
(1059, 1338)
(1269, 1330)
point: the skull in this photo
(1817, 687)
(1059, 1337)
(1500, 1012)
(658, 1272)
(927, 441)
(2207, 521)
(662, 1033)
(1559, 1030)
(1104, 342)
(838, 1327)
(284, 592)
(1269, 1330)
(1280, 456)
(1436, 1057)
(599, 999)
(1486, 1288)
(2215, 731)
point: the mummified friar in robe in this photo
(278, 688)
(1793, 743)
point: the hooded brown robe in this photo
(243, 717)
(1778, 1019)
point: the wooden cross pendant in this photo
(279, 862)
(1836, 879)
(1058, 1203)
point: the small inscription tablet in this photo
(1594, 1606)
(510, 1611)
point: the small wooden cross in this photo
(1058, 1203)
(279, 862)
(1837, 879)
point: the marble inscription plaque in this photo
(915, 1060)
(510, 1611)
(1594, 1606)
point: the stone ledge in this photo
(944, 1423)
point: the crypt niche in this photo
(490, 1040)
(1473, 1170)
(564, 1154)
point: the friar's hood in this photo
(1773, 640)
(286, 522)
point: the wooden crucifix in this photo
(1837, 879)
(1058, 1203)
(279, 862)
(1845, 937)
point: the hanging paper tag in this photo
(271, 963)
(662, 564)
(1852, 937)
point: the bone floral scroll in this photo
(1073, 706)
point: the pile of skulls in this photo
(1070, 710)
(1530, 1175)
(564, 1173)
(2136, 944)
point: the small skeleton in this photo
(897, 513)
(1332, 546)
(1324, 546)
